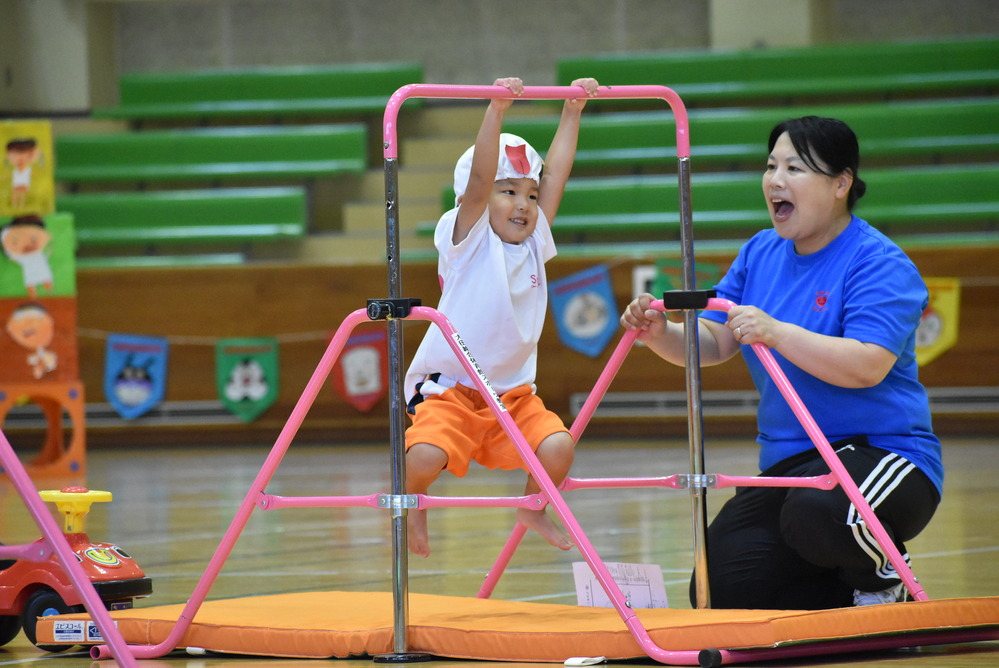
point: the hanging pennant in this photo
(246, 375)
(135, 373)
(669, 276)
(360, 374)
(584, 310)
(937, 331)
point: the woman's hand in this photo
(750, 325)
(837, 360)
(638, 315)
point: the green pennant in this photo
(669, 276)
(246, 375)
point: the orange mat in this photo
(345, 624)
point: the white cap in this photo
(517, 160)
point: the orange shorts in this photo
(462, 424)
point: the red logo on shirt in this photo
(821, 298)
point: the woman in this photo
(838, 303)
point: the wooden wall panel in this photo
(194, 307)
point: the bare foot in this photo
(416, 533)
(543, 524)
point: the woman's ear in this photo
(843, 183)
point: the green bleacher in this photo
(210, 154)
(217, 215)
(730, 205)
(926, 114)
(264, 92)
(924, 131)
(770, 76)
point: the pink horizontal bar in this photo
(607, 483)
(273, 502)
(531, 501)
(826, 482)
(451, 91)
(37, 551)
(721, 481)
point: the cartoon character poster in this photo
(38, 299)
(38, 340)
(27, 174)
(39, 256)
(246, 375)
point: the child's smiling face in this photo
(513, 209)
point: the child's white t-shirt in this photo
(496, 295)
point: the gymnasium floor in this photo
(171, 507)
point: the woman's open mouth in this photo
(782, 209)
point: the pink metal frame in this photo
(258, 498)
(837, 476)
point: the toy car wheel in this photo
(42, 603)
(10, 626)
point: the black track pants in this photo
(806, 549)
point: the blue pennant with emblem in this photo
(584, 309)
(135, 373)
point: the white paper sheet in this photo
(641, 584)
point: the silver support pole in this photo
(695, 423)
(397, 414)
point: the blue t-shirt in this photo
(861, 286)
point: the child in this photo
(493, 247)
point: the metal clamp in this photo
(699, 480)
(398, 503)
(389, 308)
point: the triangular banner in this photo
(584, 310)
(669, 276)
(937, 331)
(246, 375)
(135, 372)
(360, 374)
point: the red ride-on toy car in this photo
(33, 589)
